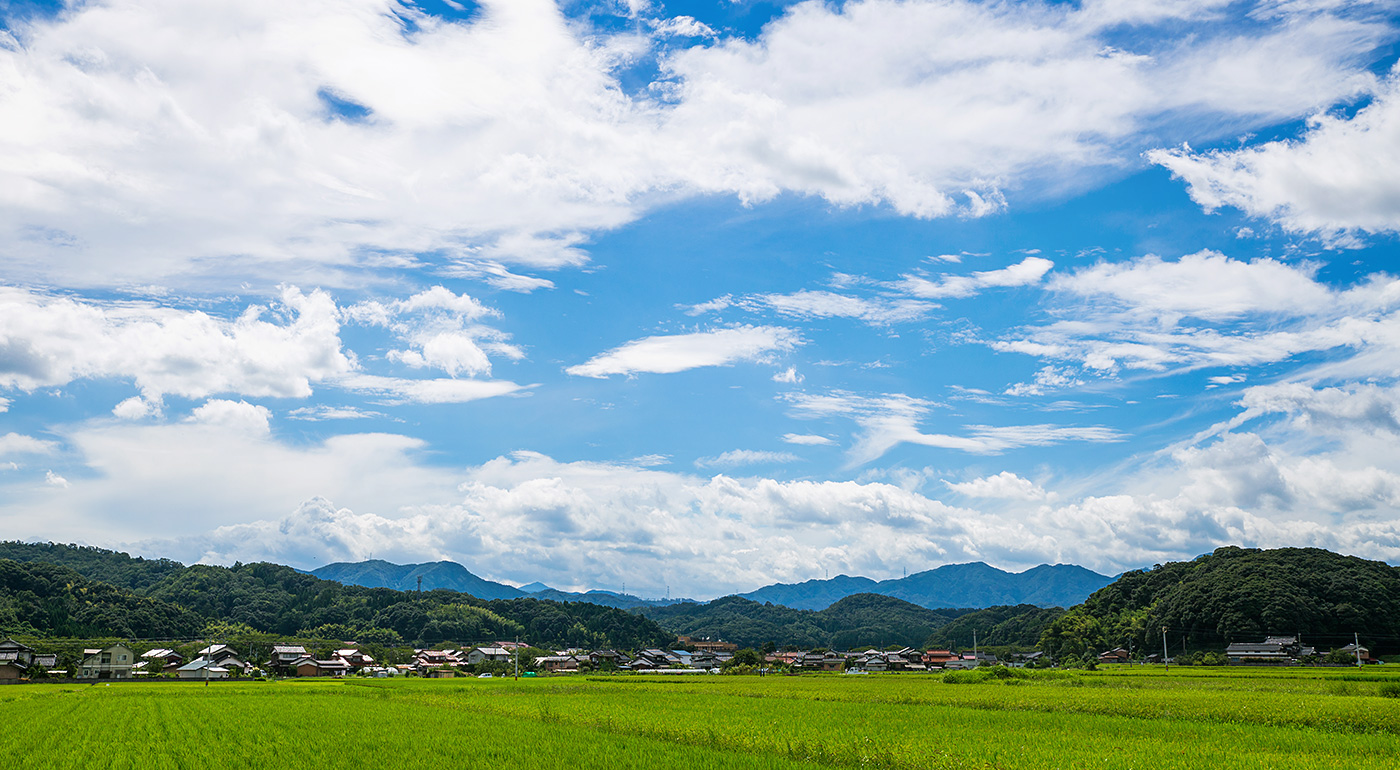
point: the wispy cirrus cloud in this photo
(667, 354)
(889, 420)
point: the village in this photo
(121, 661)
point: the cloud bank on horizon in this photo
(594, 293)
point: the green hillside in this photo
(861, 620)
(44, 598)
(1238, 594)
(1009, 626)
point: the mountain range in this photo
(974, 585)
(452, 576)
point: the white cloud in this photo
(395, 390)
(144, 143)
(497, 275)
(1207, 310)
(48, 340)
(1206, 285)
(788, 376)
(19, 444)
(807, 439)
(736, 457)
(1005, 485)
(1027, 272)
(235, 416)
(55, 480)
(826, 304)
(1342, 174)
(889, 420)
(327, 412)
(666, 354)
(683, 26)
(136, 408)
(5, 405)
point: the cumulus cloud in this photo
(723, 534)
(1005, 485)
(147, 144)
(788, 376)
(667, 354)
(277, 350)
(1341, 175)
(235, 416)
(18, 444)
(136, 408)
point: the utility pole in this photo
(1356, 645)
(1166, 666)
(420, 584)
(517, 657)
(974, 644)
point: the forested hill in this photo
(1238, 594)
(862, 620)
(1012, 626)
(377, 573)
(179, 601)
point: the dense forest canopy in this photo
(1238, 595)
(862, 620)
(1008, 626)
(55, 590)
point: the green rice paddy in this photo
(1117, 718)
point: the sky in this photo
(693, 297)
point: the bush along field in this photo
(987, 718)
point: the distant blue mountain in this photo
(377, 573)
(974, 585)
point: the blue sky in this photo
(700, 294)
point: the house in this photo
(479, 654)
(308, 666)
(114, 662)
(159, 660)
(225, 656)
(1353, 650)
(822, 661)
(557, 663)
(353, 658)
(603, 660)
(937, 658)
(426, 660)
(1115, 655)
(202, 669)
(1273, 651)
(285, 657)
(1025, 659)
(18, 660)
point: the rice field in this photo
(1123, 718)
